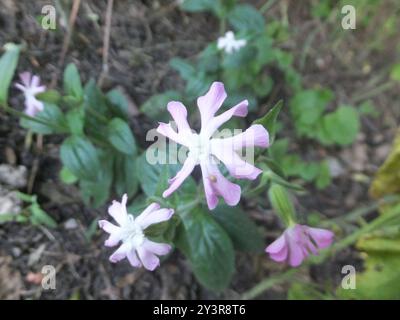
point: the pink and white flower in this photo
(30, 86)
(204, 149)
(130, 232)
(298, 242)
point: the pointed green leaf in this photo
(269, 120)
(8, 64)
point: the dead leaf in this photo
(387, 179)
(10, 280)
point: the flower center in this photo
(131, 232)
(199, 148)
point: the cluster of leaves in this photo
(99, 153)
(99, 150)
(247, 74)
(32, 214)
(207, 239)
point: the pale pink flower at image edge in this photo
(138, 249)
(203, 148)
(30, 86)
(297, 243)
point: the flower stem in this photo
(25, 116)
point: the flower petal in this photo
(33, 106)
(166, 130)
(254, 136)
(240, 110)
(211, 102)
(295, 243)
(113, 240)
(25, 78)
(179, 114)
(150, 260)
(108, 226)
(323, 238)
(154, 217)
(277, 245)
(278, 250)
(176, 181)
(215, 184)
(238, 168)
(21, 87)
(157, 248)
(35, 81)
(150, 208)
(118, 210)
(120, 253)
(133, 259)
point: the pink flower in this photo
(30, 87)
(130, 231)
(204, 150)
(297, 242)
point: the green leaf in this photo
(198, 5)
(309, 170)
(208, 248)
(156, 106)
(138, 205)
(71, 101)
(72, 81)
(264, 86)
(198, 85)
(120, 136)
(239, 59)
(50, 96)
(8, 64)
(185, 69)
(96, 192)
(76, 120)
(208, 59)
(324, 176)
(150, 176)
(307, 108)
(119, 102)
(39, 217)
(80, 157)
(245, 17)
(395, 72)
(52, 115)
(342, 125)
(26, 197)
(94, 98)
(67, 176)
(273, 177)
(263, 44)
(125, 175)
(241, 229)
(7, 217)
(269, 120)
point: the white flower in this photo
(229, 43)
(30, 87)
(130, 231)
